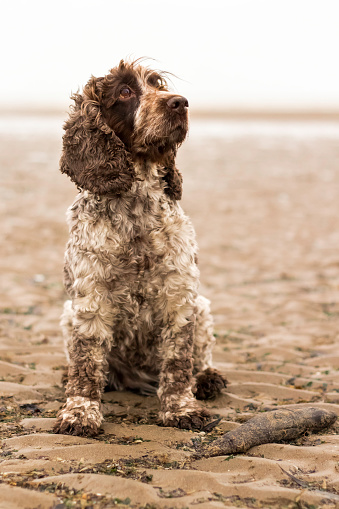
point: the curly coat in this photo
(135, 319)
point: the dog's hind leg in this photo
(209, 382)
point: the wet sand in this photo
(263, 196)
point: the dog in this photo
(135, 319)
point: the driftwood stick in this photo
(273, 426)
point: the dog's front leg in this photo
(93, 316)
(178, 407)
(81, 414)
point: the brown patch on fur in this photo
(177, 371)
(93, 156)
(173, 179)
(86, 373)
(209, 384)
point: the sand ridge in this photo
(265, 208)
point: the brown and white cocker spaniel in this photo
(135, 319)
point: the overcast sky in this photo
(228, 53)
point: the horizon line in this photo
(246, 113)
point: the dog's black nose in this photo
(178, 104)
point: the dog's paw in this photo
(80, 416)
(194, 420)
(209, 383)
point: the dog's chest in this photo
(150, 231)
(141, 245)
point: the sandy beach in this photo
(263, 197)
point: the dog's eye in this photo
(125, 93)
(157, 82)
(160, 84)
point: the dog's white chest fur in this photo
(148, 244)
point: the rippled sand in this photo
(263, 197)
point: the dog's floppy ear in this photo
(93, 156)
(173, 179)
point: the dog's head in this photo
(137, 105)
(125, 116)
